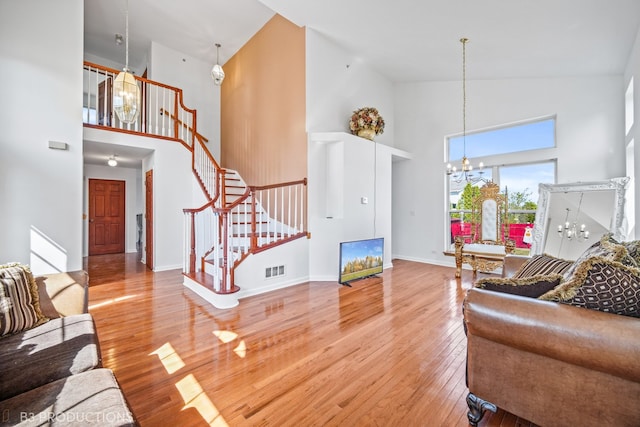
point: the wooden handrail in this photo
(184, 125)
(176, 122)
(200, 209)
(141, 79)
(282, 184)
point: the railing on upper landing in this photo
(160, 106)
(163, 115)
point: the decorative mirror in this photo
(571, 217)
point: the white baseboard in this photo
(167, 267)
(248, 292)
(217, 300)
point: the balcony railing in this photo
(163, 113)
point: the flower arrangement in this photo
(366, 118)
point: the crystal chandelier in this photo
(466, 170)
(217, 73)
(570, 230)
(126, 93)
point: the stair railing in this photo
(261, 218)
(284, 205)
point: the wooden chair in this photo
(489, 239)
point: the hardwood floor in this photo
(390, 351)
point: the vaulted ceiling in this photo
(405, 40)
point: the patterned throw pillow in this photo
(542, 265)
(19, 303)
(601, 284)
(606, 248)
(533, 286)
(633, 247)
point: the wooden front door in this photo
(106, 216)
(148, 216)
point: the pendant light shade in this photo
(126, 93)
(217, 73)
(126, 97)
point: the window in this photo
(529, 136)
(517, 174)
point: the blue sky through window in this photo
(525, 178)
(522, 137)
(529, 136)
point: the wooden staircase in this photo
(237, 220)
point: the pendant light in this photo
(217, 73)
(466, 170)
(126, 93)
(112, 161)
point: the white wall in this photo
(339, 83)
(173, 191)
(633, 136)
(589, 136)
(250, 275)
(41, 44)
(343, 169)
(133, 200)
(193, 76)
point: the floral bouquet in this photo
(366, 118)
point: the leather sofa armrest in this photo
(512, 263)
(63, 294)
(609, 343)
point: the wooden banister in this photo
(235, 229)
(189, 128)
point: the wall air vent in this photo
(274, 271)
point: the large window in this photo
(522, 137)
(505, 163)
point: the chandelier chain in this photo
(126, 35)
(464, 95)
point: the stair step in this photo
(206, 280)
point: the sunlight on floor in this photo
(171, 361)
(241, 349)
(225, 336)
(195, 397)
(111, 301)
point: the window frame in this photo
(495, 162)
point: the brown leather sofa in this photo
(550, 363)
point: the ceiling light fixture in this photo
(126, 93)
(217, 73)
(571, 231)
(465, 173)
(112, 161)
